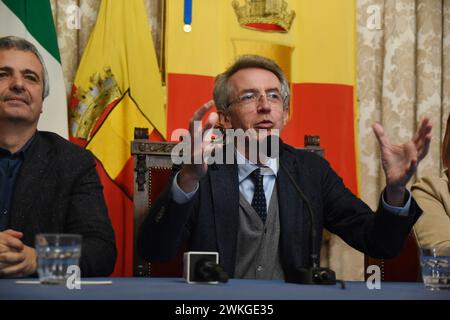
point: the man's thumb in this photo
(14, 233)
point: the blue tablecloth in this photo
(235, 289)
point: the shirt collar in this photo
(244, 170)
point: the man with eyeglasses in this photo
(251, 213)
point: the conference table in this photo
(138, 288)
(173, 298)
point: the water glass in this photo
(435, 265)
(56, 252)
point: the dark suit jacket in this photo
(210, 220)
(58, 191)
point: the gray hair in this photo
(21, 44)
(223, 89)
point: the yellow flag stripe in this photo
(321, 40)
(111, 142)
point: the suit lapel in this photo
(226, 211)
(29, 185)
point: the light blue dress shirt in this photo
(269, 171)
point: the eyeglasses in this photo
(251, 98)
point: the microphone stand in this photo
(314, 274)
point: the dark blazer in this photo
(209, 222)
(58, 191)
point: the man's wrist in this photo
(179, 196)
(395, 195)
(187, 181)
(401, 211)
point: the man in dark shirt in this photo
(47, 184)
(9, 168)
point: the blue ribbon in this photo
(187, 12)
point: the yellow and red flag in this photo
(313, 42)
(117, 87)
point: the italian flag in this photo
(33, 20)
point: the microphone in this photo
(314, 274)
(203, 267)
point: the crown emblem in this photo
(92, 102)
(264, 15)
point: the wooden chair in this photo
(152, 168)
(403, 268)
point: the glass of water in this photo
(435, 265)
(56, 252)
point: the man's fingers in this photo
(13, 243)
(4, 248)
(212, 120)
(424, 131)
(18, 264)
(14, 233)
(200, 112)
(10, 241)
(198, 116)
(422, 138)
(379, 134)
(423, 149)
(412, 168)
(13, 271)
(211, 150)
(425, 126)
(212, 137)
(12, 257)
